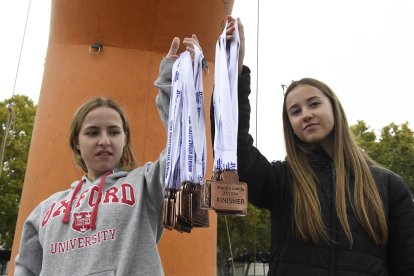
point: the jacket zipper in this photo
(333, 214)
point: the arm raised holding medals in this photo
(109, 221)
(333, 210)
(224, 193)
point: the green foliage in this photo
(14, 161)
(249, 234)
(393, 148)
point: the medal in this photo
(168, 218)
(228, 195)
(183, 203)
(205, 202)
(225, 194)
(182, 222)
(205, 196)
(199, 216)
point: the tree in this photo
(14, 161)
(248, 235)
(393, 148)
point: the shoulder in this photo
(282, 164)
(57, 196)
(46, 204)
(282, 168)
(393, 186)
(384, 176)
(135, 171)
(140, 172)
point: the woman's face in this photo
(101, 141)
(311, 116)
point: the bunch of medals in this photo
(182, 210)
(224, 193)
(186, 147)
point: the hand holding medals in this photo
(224, 193)
(186, 142)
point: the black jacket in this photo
(270, 186)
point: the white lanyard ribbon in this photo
(186, 141)
(225, 101)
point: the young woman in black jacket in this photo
(333, 210)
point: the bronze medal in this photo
(205, 202)
(205, 196)
(199, 216)
(168, 218)
(182, 206)
(228, 195)
(184, 202)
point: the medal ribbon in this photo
(225, 101)
(186, 141)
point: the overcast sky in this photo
(363, 49)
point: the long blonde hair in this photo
(349, 160)
(127, 161)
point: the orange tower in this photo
(135, 35)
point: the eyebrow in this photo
(307, 100)
(96, 127)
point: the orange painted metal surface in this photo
(135, 36)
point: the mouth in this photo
(309, 126)
(103, 153)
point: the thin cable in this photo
(11, 114)
(231, 250)
(257, 105)
(21, 46)
(257, 69)
(10, 121)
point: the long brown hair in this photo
(127, 161)
(349, 160)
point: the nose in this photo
(306, 114)
(104, 140)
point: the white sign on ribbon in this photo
(186, 141)
(225, 101)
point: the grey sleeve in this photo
(29, 259)
(163, 83)
(155, 172)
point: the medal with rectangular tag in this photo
(168, 218)
(205, 202)
(228, 195)
(183, 207)
(199, 216)
(184, 202)
(205, 196)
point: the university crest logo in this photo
(82, 221)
